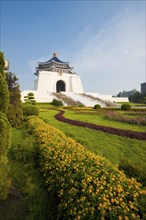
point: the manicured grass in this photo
(118, 150)
(13, 207)
(133, 104)
(100, 119)
(44, 105)
(26, 180)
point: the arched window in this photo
(60, 86)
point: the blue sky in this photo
(103, 40)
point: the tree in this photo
(144, 100)
(11, 79)
(4, 131)
(119, 94)
(15, 113)
(2, 63)
(4, 92)
(136, 98)
(30, 99)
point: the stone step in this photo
(107, 103)
(67, 100)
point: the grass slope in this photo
(26, 179)
(99, 119)
(129, 154)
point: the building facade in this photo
(56, 76)
(143, 88)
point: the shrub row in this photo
(125, 107)
(29, 109)
(4, 145)
(110, 130)
(56, 102)
(85, 186)
(97, 106)
(122, 118)
(4, 94)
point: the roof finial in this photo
(54, 54)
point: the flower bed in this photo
(110, 130)
(86, 186)
(123, 118)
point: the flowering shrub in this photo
(118, 117)
(86, 186)
(110, 130)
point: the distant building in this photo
(143, 88)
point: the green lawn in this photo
(129, 154)
(25, 177)
(133, 104)
(100, 119)
(14, 208)
(44, 105)
(119, 150)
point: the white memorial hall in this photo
(56, 79)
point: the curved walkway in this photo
(126, 133)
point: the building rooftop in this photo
(55, 65)
(55, 59)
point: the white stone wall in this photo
(39, 96)
(47, 81)
(76, 85)
(35, 85)
(108, 97)
(45, 85)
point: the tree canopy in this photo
(4, 92)
(15, 113)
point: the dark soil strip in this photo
(126, 133)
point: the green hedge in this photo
(97, 106)
(85, 186)
(4, 145)
(125, 107)
(56, 102)
(15, 115)
(4, 94)
(30, 110)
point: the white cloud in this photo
(114, 59)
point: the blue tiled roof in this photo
(55, 59)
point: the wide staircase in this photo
(103, 102)
(86, 101)
(67, 100)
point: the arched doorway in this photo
(60, 86)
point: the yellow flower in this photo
(112, 200)
(100, 205)
(133, 215)
(120, 217)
